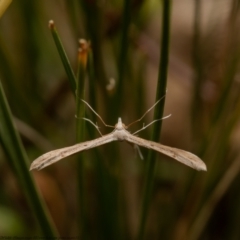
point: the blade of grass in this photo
(123, 49)
(80, 129)
(158, 113)
(63, 56)
(18, 160)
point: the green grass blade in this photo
(80, 131)
(18, 160)
(124, 42)
(63, 56)
(158, 113)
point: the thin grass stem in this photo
(158, 113)
(80, 130)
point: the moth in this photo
(119, 133)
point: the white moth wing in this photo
(182, 156)
(56, 155)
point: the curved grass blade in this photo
(18, 160)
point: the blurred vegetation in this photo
(108, 192)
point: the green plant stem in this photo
(63, 56)
(158, 113)
(18, 160)
(124, 42)
(80, 135)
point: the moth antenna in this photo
(146, 112)
(144, 127)
(88, 120)
(97, 115)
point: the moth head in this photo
(120, 125)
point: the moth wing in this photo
(58, 154)
(182, 156)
